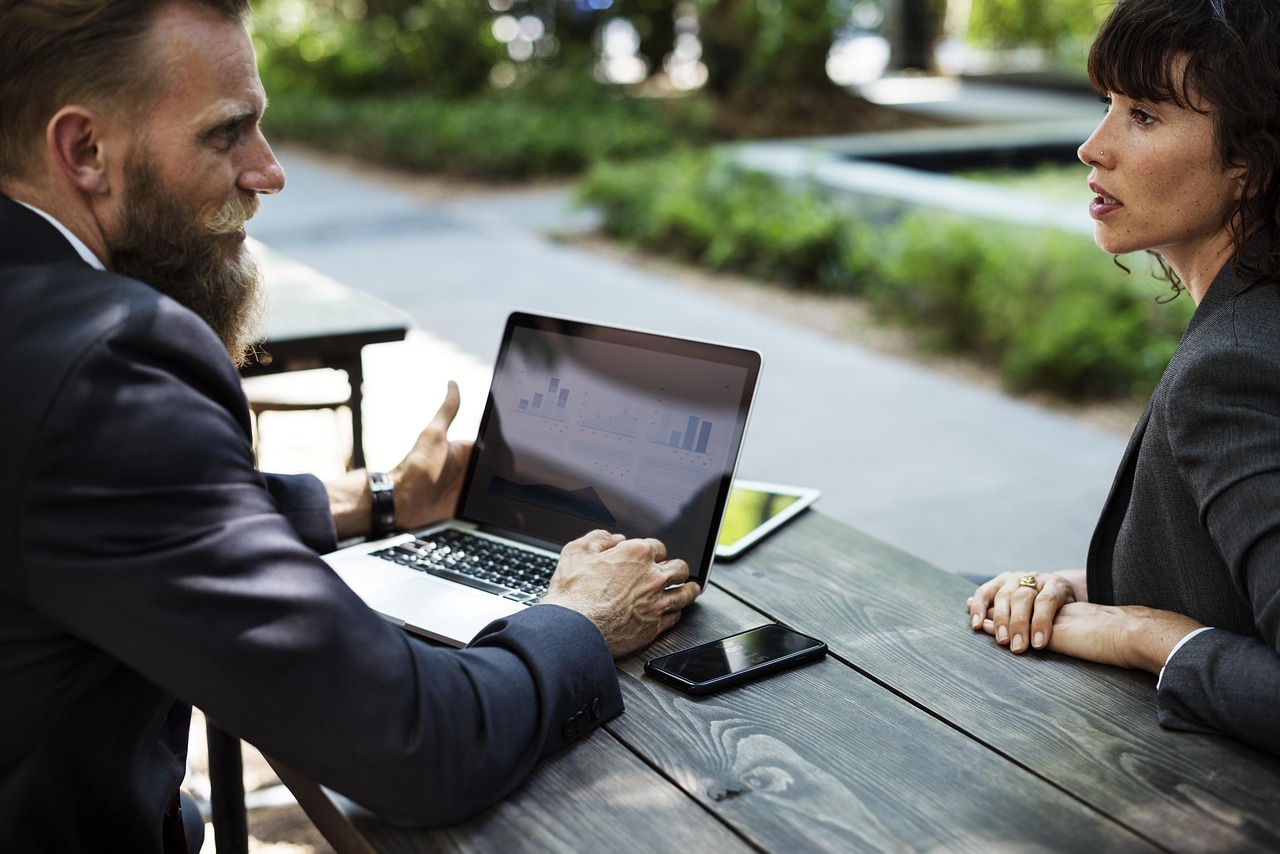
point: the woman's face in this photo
(1159, 184)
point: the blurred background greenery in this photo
(635, 100)
(585, 80)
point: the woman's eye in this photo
(1141, 117)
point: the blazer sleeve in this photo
(147, 533)
(303, 500)
(1225, 435)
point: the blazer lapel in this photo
(1102, 546)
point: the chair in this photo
(300, 391)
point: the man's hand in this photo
(429, 479)
(622, 586)
(427, 482)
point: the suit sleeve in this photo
(303, 500)
(148, 533)
(1225, 434)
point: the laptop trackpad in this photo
(440, 609)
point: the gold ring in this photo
(1028, 581)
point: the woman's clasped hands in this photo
(1019, 610)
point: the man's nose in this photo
(263, 174)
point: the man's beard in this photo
(164, 243)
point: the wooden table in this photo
(314, 321)
(915, 733)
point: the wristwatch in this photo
(383, 492)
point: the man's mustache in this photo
(231, 217)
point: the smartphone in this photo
(735, 659)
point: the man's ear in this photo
(74, 137)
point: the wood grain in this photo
(914, 734)
(1087, 728)
(820, 758)
(594, 796)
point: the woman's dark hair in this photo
(1232, 48)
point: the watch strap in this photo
(382, 491)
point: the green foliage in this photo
(1045, 306)
(544, 130)
(703, 208)
(349, 47)
(1042, 23)
(768, 46)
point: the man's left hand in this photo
(429, 479)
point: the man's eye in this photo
(227, 136)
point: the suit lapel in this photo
(1102, 546)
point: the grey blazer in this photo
(1192, 523)
(145, 566)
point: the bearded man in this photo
(145, 565)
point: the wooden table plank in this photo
(821, 758)
(1087, 728)
(594, 796)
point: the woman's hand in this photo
(1019, 609)
(1120, 635)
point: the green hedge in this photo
(501, 136)
(1047, 307)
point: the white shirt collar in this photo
(76, 243)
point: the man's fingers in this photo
(658, 548)
(668, 620)
(677, 571)
(448, 408)
(594, 542)
(682, 596)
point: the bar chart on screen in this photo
(696, 434)
(553, 403)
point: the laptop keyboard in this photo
(484, 564)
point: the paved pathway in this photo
(966, 478)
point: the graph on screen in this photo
(553, 403)
(694, 433)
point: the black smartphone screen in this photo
(735, 659)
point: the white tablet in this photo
(757, 509)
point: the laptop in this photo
(586, 426)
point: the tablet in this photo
(757, 509)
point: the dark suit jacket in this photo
(1192, 524)
(145, 566)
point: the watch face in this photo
(382, 492)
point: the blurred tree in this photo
(914, 29)
(655, 23)
(768, 45)
(767, 67)
(352, 47)
(726, 31)
(1042, 23)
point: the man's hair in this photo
(1232, 48)
(91, 52)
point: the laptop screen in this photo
(590, 426)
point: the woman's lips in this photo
(1103, 203)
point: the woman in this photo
(1183, 574)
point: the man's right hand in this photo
(622, 586)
